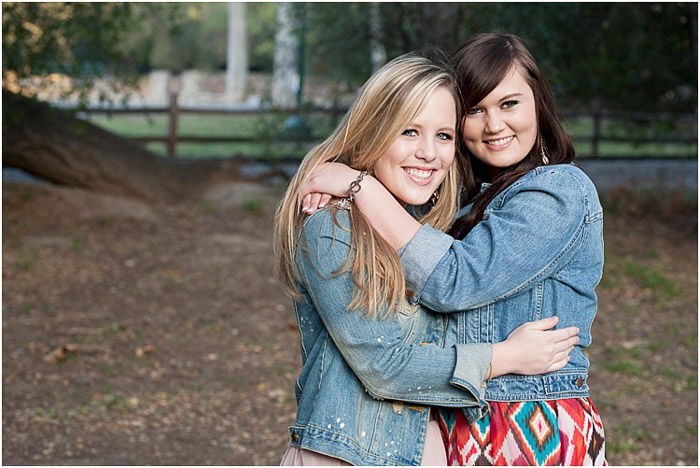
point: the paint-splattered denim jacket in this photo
(366, 384)
(537, 253)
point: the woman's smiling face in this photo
(502, 129)
(417, 162)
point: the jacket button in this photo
(295, 436)
(579, 382)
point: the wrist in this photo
(502, 359)
(368, 187)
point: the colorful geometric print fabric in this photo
(558, 432)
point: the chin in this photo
(417, 201)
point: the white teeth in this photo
(421, 174)
(500, 141)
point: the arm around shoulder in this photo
(528, 232)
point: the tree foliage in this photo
(638, 56)
(80, 40)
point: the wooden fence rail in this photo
(173, 110)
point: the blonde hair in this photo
(387, 103)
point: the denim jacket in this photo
(366, 384)
(537, 253)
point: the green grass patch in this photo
(208, 207)
(670, 373)
(51, 412)
(117, 402)
(653, 278)
(625, 361)
(691, 340)
(77, 242)
(253, 205)
(614, 447)
(111, 329)
(25, 263)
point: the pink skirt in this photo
(433, 453)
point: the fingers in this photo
(306, 203)
(314, 201)
(559, 364)
(565, 346)
(325, 199)
(564, 334)
(543, 324)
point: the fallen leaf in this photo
(143, 350)
(61, 353)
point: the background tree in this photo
(237, 53)
(624, 56)
(285, 74)
(85, 41)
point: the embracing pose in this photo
(527, 245)
(373, 363)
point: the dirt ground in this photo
(144, 335)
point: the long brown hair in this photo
(386, 105)
(481, 63)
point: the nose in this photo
(494, 123)
(426, 150)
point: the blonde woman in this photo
(373, 364)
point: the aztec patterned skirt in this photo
(558, 432)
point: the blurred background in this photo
(146, 145)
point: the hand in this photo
(326, 181)
(534, 349)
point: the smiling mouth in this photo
(420, 176)
(499, 143)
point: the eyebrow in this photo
(510, 96)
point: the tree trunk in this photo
(285, 76)
(52, 144)
(236, 53)
(377, 52)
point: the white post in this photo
(377, 52)
(285, 76)
(236, 53)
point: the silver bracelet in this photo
(344, 203)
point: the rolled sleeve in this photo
(416, 264)
(472, 364)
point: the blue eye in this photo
(444, 136)
(410, 132)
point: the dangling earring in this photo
(434, 198)
(543, 151)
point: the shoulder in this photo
(329, 223)
(565, 180)
(324, 242)
(563, 189)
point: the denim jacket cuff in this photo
(472, 365)
(420, 256)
